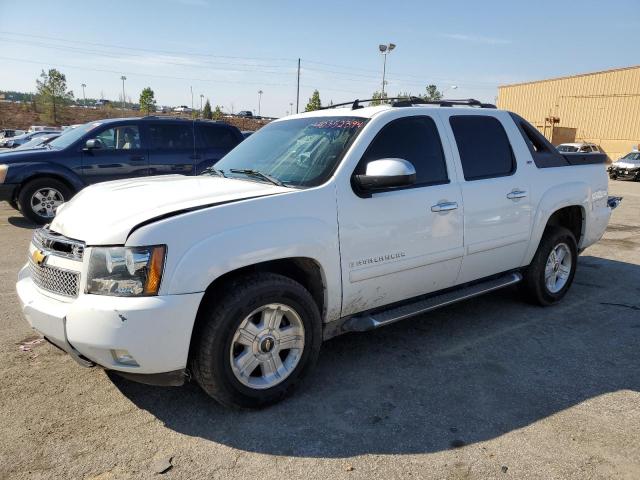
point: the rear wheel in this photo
(549, 276)
(256, 341)
(39, 199)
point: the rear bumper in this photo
(7, 191)
(155, 331)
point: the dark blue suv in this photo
(37, 181)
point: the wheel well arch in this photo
(306, 271)
(38, 176)
(571, 218)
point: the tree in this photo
(52, 89)
(147, 101)
(217, 113)
(378, 98)
(314, 102)
(432, 93)
(206, 111)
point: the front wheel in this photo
(256, 340)
(549, 276)
(39, 199)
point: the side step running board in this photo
(378, 319)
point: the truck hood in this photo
(105, 214)
(9, 157)
(624, 164)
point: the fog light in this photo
(124, 357)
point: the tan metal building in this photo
(599, 107)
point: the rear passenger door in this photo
(172, 148)
(495, 192)
(214, 141)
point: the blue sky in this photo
(228, 50)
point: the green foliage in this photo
(432, 93)
(314, 102)
(52, 90)
(206, 111)
(378, 98)
(147, 101)
(217, 113)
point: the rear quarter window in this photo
(220, 137)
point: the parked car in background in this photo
(580, 147)
(161, 109)
(332, 221)
(42, 128)
(37, 181)
(39, 141)
(182, 109)
(10, 132)
(13, 142)
(245, 113)
(626, 168)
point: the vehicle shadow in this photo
(463, 374)
(22, 222)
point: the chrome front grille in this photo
(58, 245)
(55, 280)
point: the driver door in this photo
(119, 153)
(401, 242)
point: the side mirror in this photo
(92, 144)
(386, 173)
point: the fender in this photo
(20, 173)
(552, 200)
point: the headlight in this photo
(3, 172)
(126, 271)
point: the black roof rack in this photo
(410, 101)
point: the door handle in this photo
(444, 207)
(515, 194)
(137, 158)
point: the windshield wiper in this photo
(215, 171)
(256, 173)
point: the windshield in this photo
(70, 135)
(567, 148)
(633, 157)
(301, 152)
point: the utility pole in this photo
(385, 50)
(84, 98)
(291, 107)
(123, 78)
(260, 92)
(201, 98)
(298, 90)
(191, 101)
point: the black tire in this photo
(533, 285)
(30, 188)
(218, 320)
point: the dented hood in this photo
(105, 213)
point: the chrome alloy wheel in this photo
(45, 201)
(558, 268)
(267, 346)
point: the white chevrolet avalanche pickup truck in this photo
(339, 220)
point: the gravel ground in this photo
(489, 388)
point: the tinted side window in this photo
(171, 136)
(414, 139)
(484, 147)
(217, 137)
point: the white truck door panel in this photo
(403, 242)
(495, 191)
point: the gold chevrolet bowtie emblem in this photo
(38, 256)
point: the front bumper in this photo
(155, 331)
(624, 173)
(8, 191)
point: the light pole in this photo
(291, 107)
(201, 98)
(123, 78)
(84, 98)
(260, 92)
(450, 87)
(385, 50)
